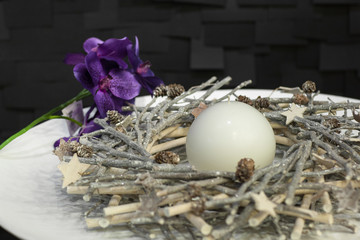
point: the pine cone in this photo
(160, 91)
(194, 190)
(114, 116)
(174, 90)
(244, 99)
(261, 103)
(64, 149)
(73, 145)
(84, 151)
(331, 123)
(198, 206)
(167, 157)
(300, 99)
(245, 169)
(309, 87)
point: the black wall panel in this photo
(273, 42)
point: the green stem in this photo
(67, 118)
(49, 115)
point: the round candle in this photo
(227, 132)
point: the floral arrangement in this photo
(112, 72)
(134, 170)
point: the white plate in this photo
(33, 205)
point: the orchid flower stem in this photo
(49, 115)
(67, 118)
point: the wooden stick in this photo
(168, 145)
(97, 222)
(162, 134)
(200, 183)
(199, 223)
(124, 208)
(106, 190)
(178, 209)
(299, 223)
(132, 207)
(115, 200)
(328, 163)
(276, 125)
(259, 217)
(325, 198)
(179, 132)
(284, 140)
(305, 214)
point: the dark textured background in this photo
(273, 42)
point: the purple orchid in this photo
(141, 70)
(105, 73)
(87, 127)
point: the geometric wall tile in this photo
(105, 18)
(150, 34)
(308, 56)
(204, 57)
(240, 66)
(229, 35)
(267, 2)
(234, 15)
(339, 57)
(277, 33)
(205, 2)
(24, 13)
(354, 18)
(4, 31)
(185, 24)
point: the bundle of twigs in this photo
(140, 172)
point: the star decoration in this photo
(262, 203)
(196, 112)
(72, 170)
(292, 112)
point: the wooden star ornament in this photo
(292, 112)
(72, 170)
(262, 203)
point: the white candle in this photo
(226, 132)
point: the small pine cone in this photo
(114, 116)
(331, 123)
(174, 90)
(84, 151)
(198, 206)
(167, 157)
(309, 87)
(244, 99)
(160, 91)
(245, 169)
(64, 149)
(300, 99)
(261, 103)
(194, 190)
(73, 145)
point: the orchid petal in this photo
(136, 46)
(134, 59)
(89, 127)
(82, 75)
(114, 50)
(149, 83)
(124, 84)
(74, 58)
(119, 103)
(95, 67)
(91, 44)
(103, 103)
